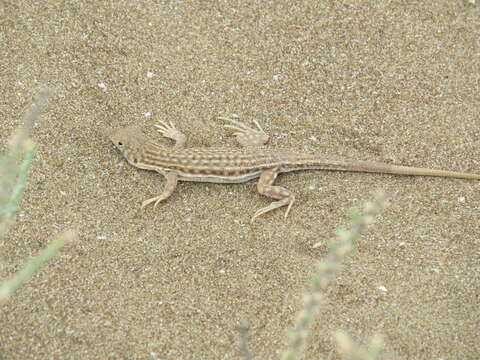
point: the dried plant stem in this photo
(327, 270)
(14, 168)
(15, 164)
(243, 328)
(8, 288)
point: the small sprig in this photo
(327, 270)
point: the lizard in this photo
(238, 165)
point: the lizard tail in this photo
(310, 161)
(378, 167)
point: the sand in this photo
(392, 81)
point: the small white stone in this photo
(150, 74)
(382, 288)
(102, 85)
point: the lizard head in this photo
(128, 140)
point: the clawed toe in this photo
(170, 131)
(247, 136)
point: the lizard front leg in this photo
(169, 131)
(172, 179)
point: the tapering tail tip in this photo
(414, 171)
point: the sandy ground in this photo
(376, 80)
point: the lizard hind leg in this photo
(265, 187)
(246, 136)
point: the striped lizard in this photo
(223, 165)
